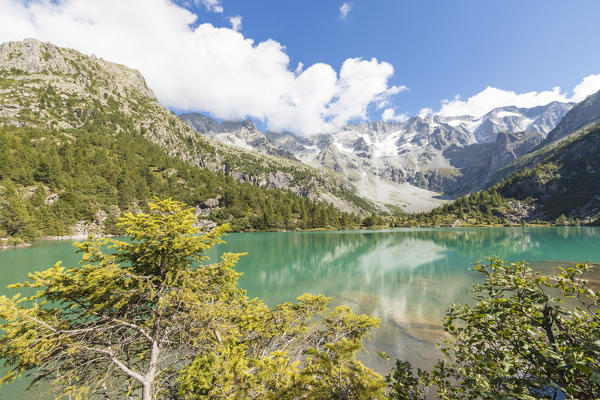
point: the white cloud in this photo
(389, 114)
(205, 68)
(345, 9)
(213, 5)
(425, 112)
(236, 23)
(491, 97)
(588, 85)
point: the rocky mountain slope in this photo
(555, 180)
(583, 114)
(560, 178)
(479, 162)
(410, 163)
(47, 87)
(561, 175)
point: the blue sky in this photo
(438, 48)
(384, 60)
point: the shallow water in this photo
(406, 277)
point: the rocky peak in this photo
(228, 126)
(452, 154)
(35, 57)
(377, 127)
(541, 119)
(205, 125)
(201, 123)
(32, 56)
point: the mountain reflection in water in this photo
(406, 277)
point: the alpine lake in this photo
(405, 277)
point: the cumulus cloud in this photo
(236, 23)
(491, 97)
(345, 9)
(588, 85)
(389, 114)
(425, 112)
(205, 68)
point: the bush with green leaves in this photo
(525, 337)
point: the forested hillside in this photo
(560, 179)
(51, 180)
(83, 140)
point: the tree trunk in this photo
(147, 391)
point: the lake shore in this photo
(4, 242)
(9, 243)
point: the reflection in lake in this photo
(406, 277)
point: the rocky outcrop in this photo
(34, 57)
(520, 211)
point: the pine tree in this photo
(149, 317)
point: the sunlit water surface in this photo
(406, 277)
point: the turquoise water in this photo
(406, 277)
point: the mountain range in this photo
(84, 139)
(410, 164)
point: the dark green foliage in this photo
(371, 220)
(15, 219)
(526, 337)
(92, 169)
(479, 208)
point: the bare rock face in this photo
(205, 225)
(520, 211)
(242, 134)
(212, 203)
(33, 56)
(277, 180)
(203, 212)
(51, 199)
